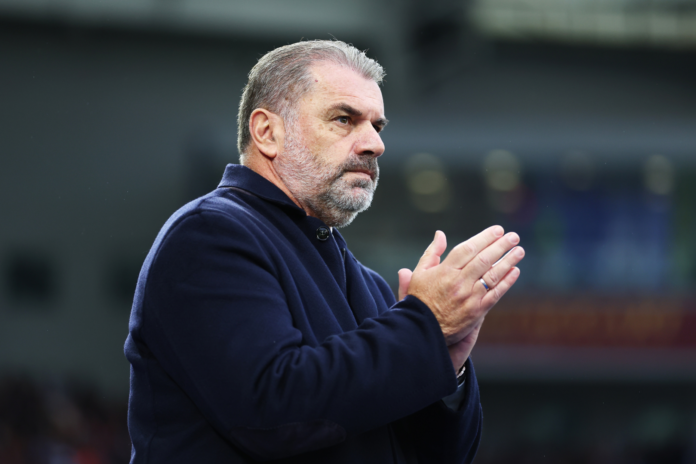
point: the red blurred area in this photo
(593, 321)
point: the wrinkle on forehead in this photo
(336, 82)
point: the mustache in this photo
(366, 164)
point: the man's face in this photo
(329, 158)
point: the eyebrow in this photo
(346, 108)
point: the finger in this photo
(499, 270)
(496, 293)
(485, 260)
(466, 251)
(404, 281)
(432, 254)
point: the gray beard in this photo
(323, 189)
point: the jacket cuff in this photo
(433, 326)
(454, 401)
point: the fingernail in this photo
(432, 243)
(498, 231)
(513, 238)
(519, 252)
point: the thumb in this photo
(431, 257)
(404, 281)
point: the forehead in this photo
(337, 84)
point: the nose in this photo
(370, 142)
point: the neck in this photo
(264, 167)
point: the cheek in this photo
(327, 142)
(339, 151)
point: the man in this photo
(256, 335)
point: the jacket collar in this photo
(243, 178)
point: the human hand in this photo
(452, 289)
(460, 351)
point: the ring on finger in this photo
(485, 285)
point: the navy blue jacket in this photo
(255, 335)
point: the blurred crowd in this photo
(59, 423)
(673, 454)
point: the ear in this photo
(267, 132)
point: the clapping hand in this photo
(453, 289)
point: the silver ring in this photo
(485, 285)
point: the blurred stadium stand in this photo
(570, 122)
(59, 422)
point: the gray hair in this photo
(282, 76)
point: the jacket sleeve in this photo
(436, 434)
(216, 318)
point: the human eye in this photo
(343, 119)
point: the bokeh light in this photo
(502, 171)
(427, 183)
(659, 175)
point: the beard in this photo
(321, 187)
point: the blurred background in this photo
(572, 122)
